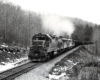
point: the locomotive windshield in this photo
(39, 38)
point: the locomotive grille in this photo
(37, 46)
(37, 43)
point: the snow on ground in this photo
(5, 66)
(42, 72)
(59, 71)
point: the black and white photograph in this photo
(49, 39)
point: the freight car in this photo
(77, 42)
(45, 46)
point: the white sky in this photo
(85, 9)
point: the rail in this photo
(17, 71)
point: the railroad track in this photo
(17, 71)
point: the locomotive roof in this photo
(45, 35)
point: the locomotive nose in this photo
(38, 46)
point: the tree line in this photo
(17, 26)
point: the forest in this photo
(17, 26)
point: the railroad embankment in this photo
(92, 48)
(76, 64)
(42, 71)
(81, 64)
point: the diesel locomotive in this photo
(45, 46)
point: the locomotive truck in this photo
(45, 46)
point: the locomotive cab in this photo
(41, 40)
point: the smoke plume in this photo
(57, 25)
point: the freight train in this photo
(45, 46)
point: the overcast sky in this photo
(85, 9)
